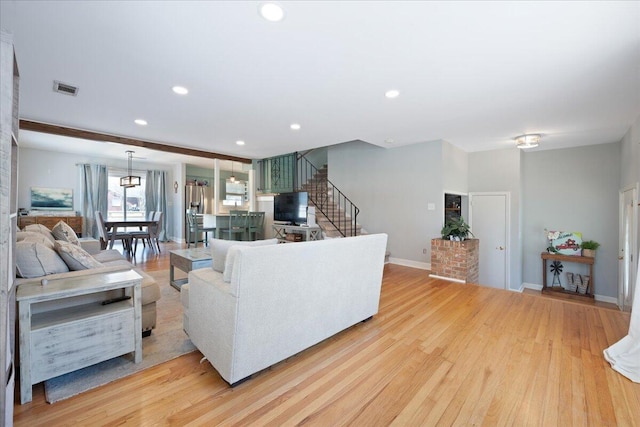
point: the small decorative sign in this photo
(566, 243)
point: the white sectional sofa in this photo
(280, 299)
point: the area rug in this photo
(167, 341)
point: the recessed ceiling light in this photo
(389, 141)
(528, 140)
(180, 90)
(295, 126)
(272, 12)
(140, 122)
(393, 93)
(239, 142)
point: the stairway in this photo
(329, 214)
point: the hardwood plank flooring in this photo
(437, 353)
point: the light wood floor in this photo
(437, 353)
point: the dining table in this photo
(113, 226)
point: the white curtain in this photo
(155, 194)
(93, 185)
(624, 356)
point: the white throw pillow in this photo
(62, 231)
(39, 228)
(35, 259)
(32, 236)
(228, 263)
(220, 247)
(75, 257)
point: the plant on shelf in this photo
(455, 229)
(589, 248)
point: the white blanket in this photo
(624, 355)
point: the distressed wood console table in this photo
(567, 258)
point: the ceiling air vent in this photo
(64, 88)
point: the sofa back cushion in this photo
(62, 231)
(75, 257)
(35, 259)
(39, 228)
(219, 249)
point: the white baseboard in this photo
(409, 263)
(602, 298)
(533, 286)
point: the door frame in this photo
(507, 226)
(633, 268)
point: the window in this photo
(125, 203)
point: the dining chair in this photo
(105, 236)
(150, 235)
(195, 227)
(255, 225)
(237, 228)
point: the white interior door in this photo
(627, 255)
(489, 221)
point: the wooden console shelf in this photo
(567, 258)
(75, 222)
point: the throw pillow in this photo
(62, 231)
(36, 260)
(37, 238)
(39, 228)
(220, 247)
(75, 257)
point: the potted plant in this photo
(455, 229)
(589, 248)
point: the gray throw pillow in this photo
(62, 231)
(39, 228)
(75, 257)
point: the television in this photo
(51, 199)
(291, 207)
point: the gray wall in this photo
(500, 170)
(630, 157)
(392, 187)
(40, 168)
(573, 189)
(455, 169)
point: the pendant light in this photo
(232, 178)
(129, 180)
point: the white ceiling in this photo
(475, 74)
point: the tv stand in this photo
(295, 233)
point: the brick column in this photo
(456, 261)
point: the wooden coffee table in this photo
(187, 260)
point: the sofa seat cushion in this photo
(35, 259)
(39, 228)
(108, 255)
(150, 288)
(62, 231)
(75, 257)
(206, 275)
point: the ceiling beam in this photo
(104, 137)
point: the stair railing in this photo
(341, 212)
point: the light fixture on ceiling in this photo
(140, 122)
(272, 12)
(295, 126)
(393, 93)
(232, 178)
(530, 140)
(239, 142)
(180, 90)
(129, 180)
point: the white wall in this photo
(393, 187)
(500, 170)
(630, 156)
(455, 169)
(574, 189)
(39, 168)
